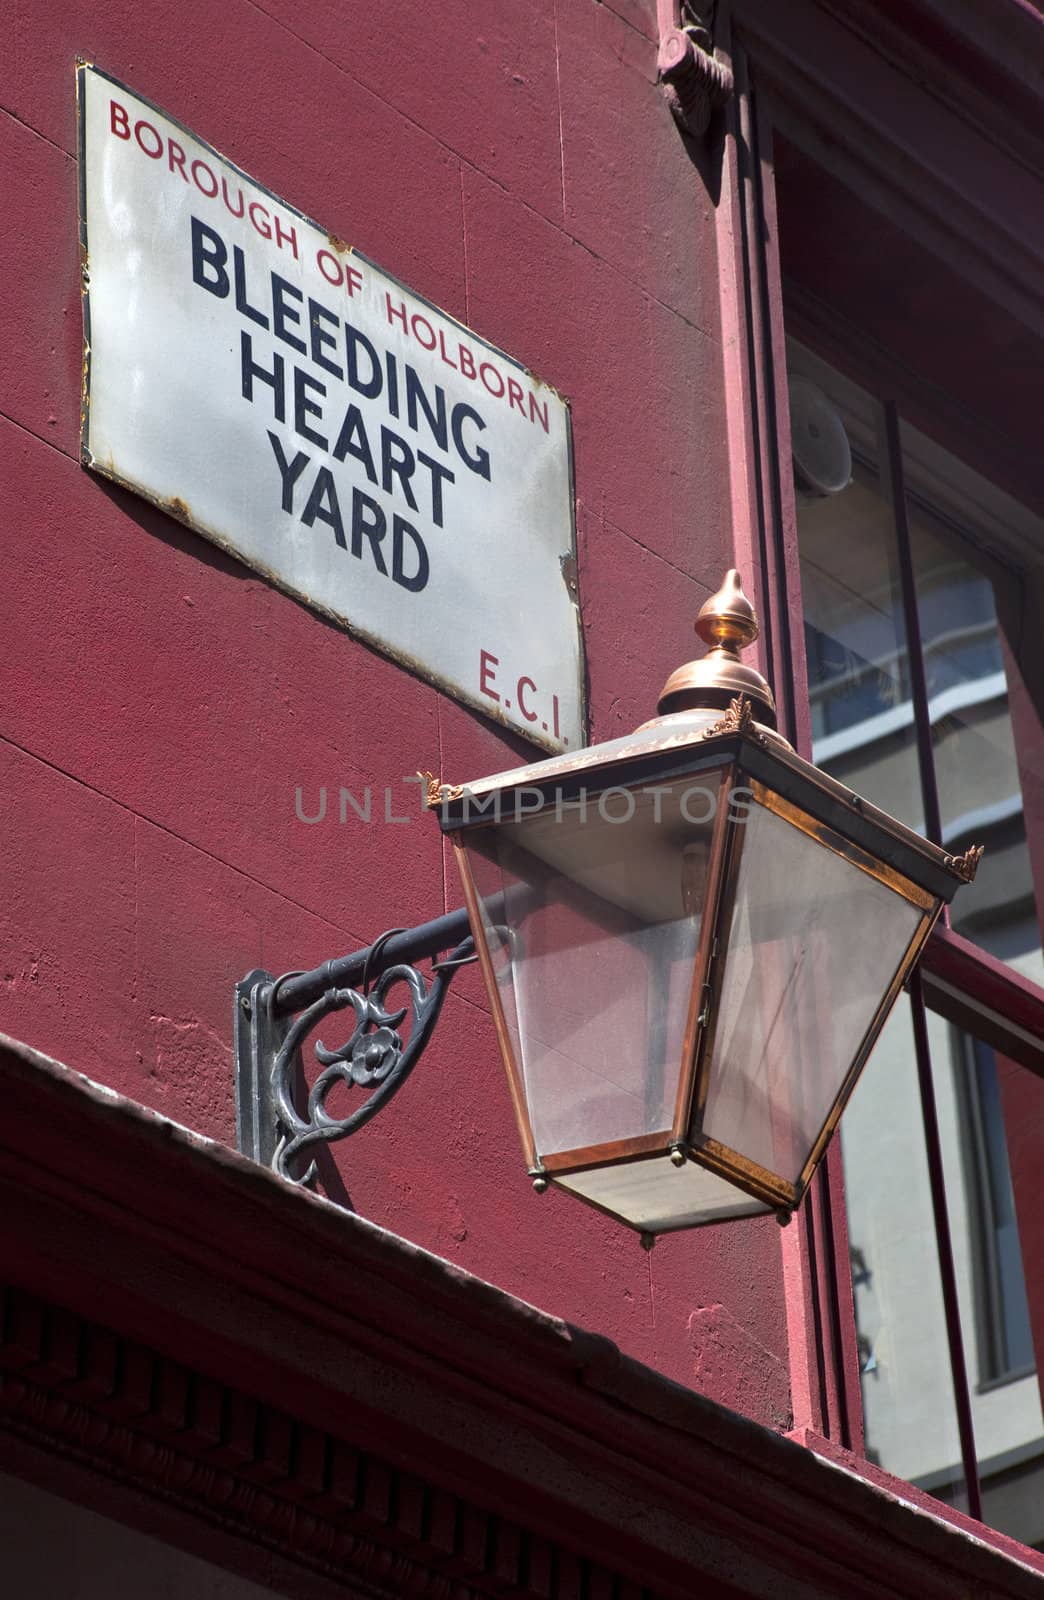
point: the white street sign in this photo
(290, 401)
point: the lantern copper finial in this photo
(728, 618)
(727, 622)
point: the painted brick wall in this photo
(161, 704)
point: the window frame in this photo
(816, 78)
(989, 1001)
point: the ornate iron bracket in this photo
(279, 1118)
(695, 83)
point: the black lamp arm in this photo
(279, 1118)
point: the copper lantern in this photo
(691, 939)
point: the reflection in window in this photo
(858, 678)
(973, 742)
(909, 1413)
(908, 1400)
(861, 697)
(984, 1184)
(865, 733)
(1004, 1337)
(854, 634)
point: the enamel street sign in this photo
(270, 387)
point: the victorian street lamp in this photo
(690, 939)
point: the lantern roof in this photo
(711, 710)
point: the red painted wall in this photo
(161, 704)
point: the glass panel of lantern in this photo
(816, 940)
(602, 952)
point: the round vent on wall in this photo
(822, 455)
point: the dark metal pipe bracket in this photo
(694, 81)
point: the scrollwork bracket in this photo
(283, 1110)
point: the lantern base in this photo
(655, 1196)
